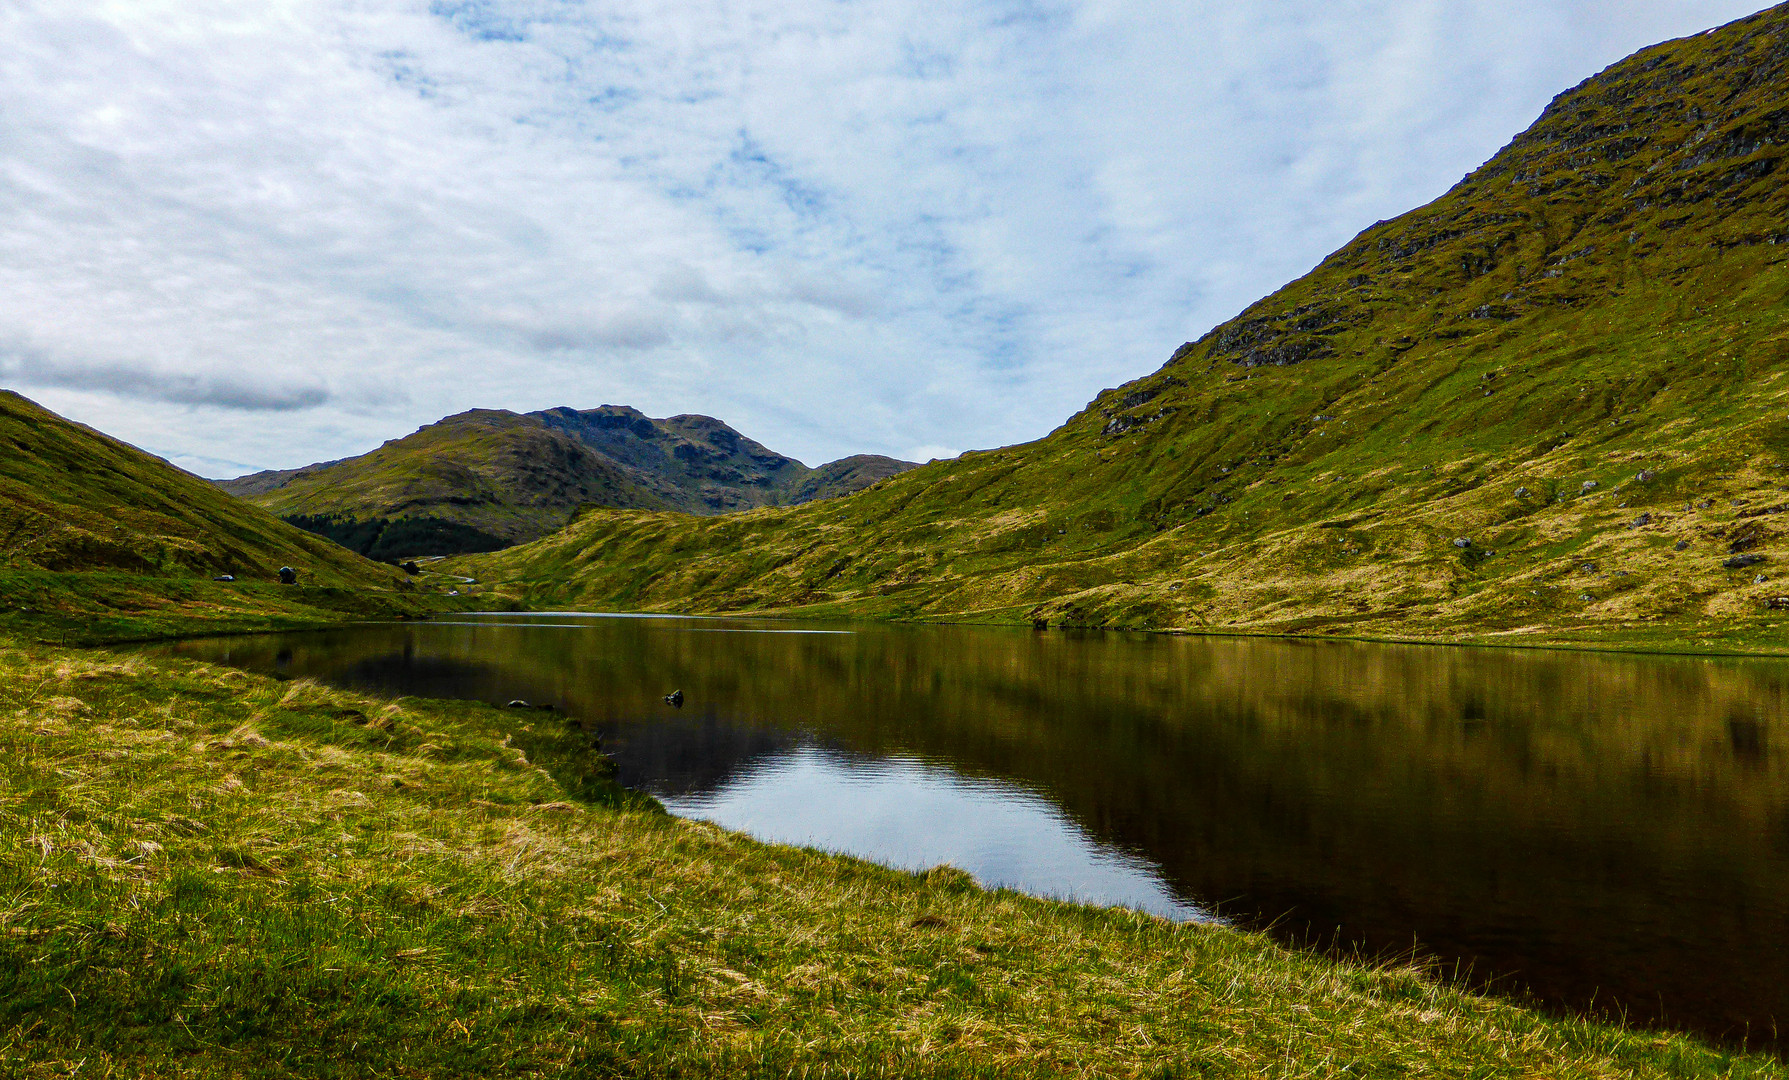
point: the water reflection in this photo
(911, 814)
(1605, 828)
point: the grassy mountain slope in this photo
(98, 539)
(1573, 362)
(485, 479)
(493, 477)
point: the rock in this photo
(1522, 493)
(674, 698)
(1586, 487)
(1642, 520)
(1681, 545)
(1588, 568)
(411, 567)
(1643, 475)
(1759, 580)
(1462, 543)
(1705, 504)
(225, 577)
(1584, 596)
(1778, 603)
(518, 703)
(1040, 624)
(1740, 562)
(288, 576)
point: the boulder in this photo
(1587, 487)
(1463, 543)
(1741, 562)
(1522, 493)
(288, 576)
(1642, 520)
(225, 577)
(1681, 545)
(1643, 475)
(674, 698)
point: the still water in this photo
(1598, 830)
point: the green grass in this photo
(208, 873)
(74, 500)
(102, 542)
(1607, 297)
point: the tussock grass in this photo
(207, 873)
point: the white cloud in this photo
(264, 232)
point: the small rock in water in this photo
(1682, 545)
(288, 576)
(674, 698)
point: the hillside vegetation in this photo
(99, 539)
(1553, 401)
(488, 478)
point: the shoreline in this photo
(428, 805)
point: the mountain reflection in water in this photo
(1591, 827)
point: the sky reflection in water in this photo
(915, 815)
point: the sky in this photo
(248, 234)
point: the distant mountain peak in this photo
(486, 478)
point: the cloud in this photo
(278, 394)
(313, 224)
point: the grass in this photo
(1604, 303)
(102, 542)
(208, 873)
(73, 501)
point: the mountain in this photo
(846, 476)
(485, 479)
(694, 463)
(1551, 401)
(98, 538)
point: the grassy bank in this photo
(99, 607)
(209, 873)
